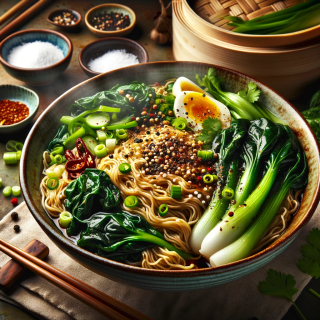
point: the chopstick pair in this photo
(92, 297)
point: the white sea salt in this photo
(112, 60)
(37, 54)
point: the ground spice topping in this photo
(12, 112)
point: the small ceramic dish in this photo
(36, 76)
(97, 48)
(21, 94)
(105, 9)
(72, 26)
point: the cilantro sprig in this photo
(280, 285)
(253, 93)
(210, 129)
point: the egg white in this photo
(180, 112)
(178, 86)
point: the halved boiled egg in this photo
(196, 107)
(184, 84)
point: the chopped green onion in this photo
(131, 201)
(157, 102)
(126, 125)
(176, 192)
(7, 191)
(122, 134)
(215, 178)
(59, 170)
(227, 193)
(58, 158)
(10, 157)
(13, 145)
(89, 130)
(163, 209)
(205, 155)
(208, 178)
(100, 150)
(16, 191)
(66, 119)
(53, 183)
(57, 150)
(180, 123)
(111, 144)
(124, 168)
(65, 219)
(170, 98)
(18, 154)
(0, 183)
(101, 134)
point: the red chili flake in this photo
(170, 144)
(14, 201)
(233, 227)
(151, 114)
(230, 214)
(220, 229)
(133, 118)
(178, 155)
(160, 159)
(12, 112)
(156, 84)
(209, 169)
(144, 109)
(199, 178)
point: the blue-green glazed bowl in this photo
(21, 94)
(39, 76)
(165, 280)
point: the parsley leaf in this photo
(280, 285)
(210, 129)
(252, 94)
(311, 252)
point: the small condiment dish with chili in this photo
(110, 20)
(66, 19)
(18, 106)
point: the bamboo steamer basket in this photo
(206, 16)
(289, 70)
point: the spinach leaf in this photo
(91, 192)
(59, 138)
(122, 236)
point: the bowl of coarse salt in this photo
(108, 54)
(36, 56)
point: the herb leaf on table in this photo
(280, 285)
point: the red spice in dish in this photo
(12, 112)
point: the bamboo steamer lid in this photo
(206, 16)
(287, 70)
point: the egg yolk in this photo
(199, 107)
(186, 86)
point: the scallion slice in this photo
(163, 209)
(58, 158)
(176, 192)
(208, 178)
(52, 183)
(65, 219)
(0, 182)
(16, 191)
(57, 150)
(227, 193)
(205, 155)
(10, 157)
(100, 150)
(13, 145)
(124, 168)
(18, 154)
(131, 201)
(180, 123)
(122, 134)
(7, 191)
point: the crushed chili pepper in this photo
(12, 112)
(112, 21)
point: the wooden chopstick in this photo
(23, 4)
(23, 18)
(78, 289)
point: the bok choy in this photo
(227, 231)
(229, 143)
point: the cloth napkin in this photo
(236, 300)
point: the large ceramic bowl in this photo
(48, 123)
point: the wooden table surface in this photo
(146, 10)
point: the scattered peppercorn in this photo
(16, 228)
(65, 19)
(14, 201)
(14, 216)
(113, 21)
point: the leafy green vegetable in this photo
(92, 192)
(311, 252)
(315, 100)
(61, 136)
(122, 237)
(252, 94)
(228, 143)
(280, 285)
(210, 129)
